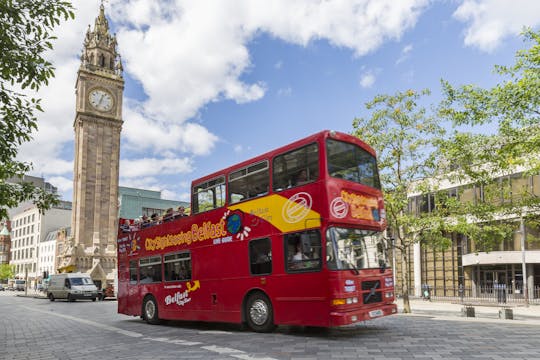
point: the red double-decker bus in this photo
(291, 237)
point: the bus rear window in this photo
(209, 195)
(351, 162)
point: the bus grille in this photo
(368, 285)
(373, 294)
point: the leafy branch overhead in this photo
(26, 34)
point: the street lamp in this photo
(523, 261)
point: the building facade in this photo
(97, 126)
(29, 228)
(466, 266)
(5, 244)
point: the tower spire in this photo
(99, 49)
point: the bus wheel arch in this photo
(149, 311)
(258, 311)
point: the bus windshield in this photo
(355, 249)
(351, 162)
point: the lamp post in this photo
(523, 261)
(394, 270)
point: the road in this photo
(41, 330)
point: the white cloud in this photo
(405, 53)
(165, 166)
(490, 21)
(186, 54)
(368, 78)
(189, 53)
(286, 92)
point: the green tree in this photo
(512, 108)
(26, 33)
(6, 272)
(402, 133)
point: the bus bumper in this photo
(347, 318)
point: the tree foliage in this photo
(512, 106)
(402, 133)
(26, 34)
(485, 160)
(6, 272)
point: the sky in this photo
(211, 83)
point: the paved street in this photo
(37, 329)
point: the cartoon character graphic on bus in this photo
(134, 246)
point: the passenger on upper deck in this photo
(301, 178)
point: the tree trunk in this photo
(405, 279)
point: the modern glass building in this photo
(135, 203)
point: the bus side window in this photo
(177, 266)
(133, 273)
(150, 270)
(260, 256)
(295, 168)
(303, 251)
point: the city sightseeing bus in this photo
(291, 237)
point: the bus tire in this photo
(51, 297)
(150, 310)
(259, 313)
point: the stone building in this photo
(464, 262)
(5, 244)
(97, 126)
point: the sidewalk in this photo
(521, 313)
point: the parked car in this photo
(2, 288)
(108, 292)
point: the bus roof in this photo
(309, 139)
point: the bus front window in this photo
(354, 249)
(351, 162)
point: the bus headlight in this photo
(389, 294)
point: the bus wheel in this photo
(150, 310)
(260, 315)
(51, 297)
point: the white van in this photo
(71, 286)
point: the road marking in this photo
(239, 354)
(174, 341)
(233, 353)
(89, 322)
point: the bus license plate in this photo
(375, 313)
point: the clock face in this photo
(101, 100)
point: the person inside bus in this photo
(299, 255)
(302, 178)
(146, 276)
(181, 211)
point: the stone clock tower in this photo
(98, 122)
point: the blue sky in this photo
(212, 83)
